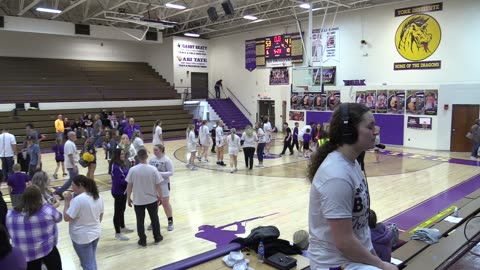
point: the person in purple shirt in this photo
(306, 142)
(383, 237)
(33, 228)
(198, 123)
(17, 183)
(59, 157)
(10, 257)
(118, 170)
(130, 128)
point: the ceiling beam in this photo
(72, 6)
(25, 9)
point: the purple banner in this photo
(250, 55)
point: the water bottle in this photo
(261, 252)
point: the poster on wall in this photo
(296, 116)
(328, 75)
(415, 101)
(360, 97)
(295, 101)
(325, 45)
(370, 99)
(320, 102)
(419, 122)
(279, 76)
(190, 55)
(333, 100)
(307, 102)
(431, 105)
(381, 105)
(396, 101)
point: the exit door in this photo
(199, 85)
(267, 108)
(463, 117)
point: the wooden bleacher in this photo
(417, 254)
(174, 118)
(24, 80)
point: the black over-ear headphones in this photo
(349, 133)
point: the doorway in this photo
(463, 117)
(267, 107)
(199, 85)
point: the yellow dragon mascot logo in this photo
(417, 37)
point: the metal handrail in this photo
(238, 101)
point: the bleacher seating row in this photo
(174, 121)
(417, 254)
(60, 80)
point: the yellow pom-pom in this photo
(88, 157)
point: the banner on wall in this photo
(279, 76)
(418, 37)
(296, 116)
(419, 122)
(415, 101)
(325, 45)
(250, 55)
(333, 100)
(381, 105)
(431, 105)
(396, 101)
(190, 55)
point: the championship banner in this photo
(396, 101)
(250, 55)
(279, 76)
(418, 37)
(325, 45)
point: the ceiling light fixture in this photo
(250, 17)
(305, 6)
(175, 6)
(191, 35)
(48, 10)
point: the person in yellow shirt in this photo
(59, 127)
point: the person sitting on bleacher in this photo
(383, 237)
(130, 128)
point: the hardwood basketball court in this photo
(275, 195)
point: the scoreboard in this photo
(278, 47)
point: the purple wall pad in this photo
(407, 219)
(391, 125)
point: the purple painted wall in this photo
(391, 125)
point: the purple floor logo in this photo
(221, 235)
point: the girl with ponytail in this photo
(233, 142)
(339, 198)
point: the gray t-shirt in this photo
(144, 178)
(338, 191)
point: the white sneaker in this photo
(126, 230)
(205, 161)
(231, 170)
(260, 166)
(193, 168)
(121, 237)
(473, 158)
(170, 226)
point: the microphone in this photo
(381, 146)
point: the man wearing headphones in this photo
(340, 235)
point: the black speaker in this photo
(2, 22)
(227, 7)
(349, 132)
(152, 35)
(212, 13)
(82, 29)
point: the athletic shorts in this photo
(306, 145)
(191, 148)
(165, 189)
(220, 143)
(233, 151)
